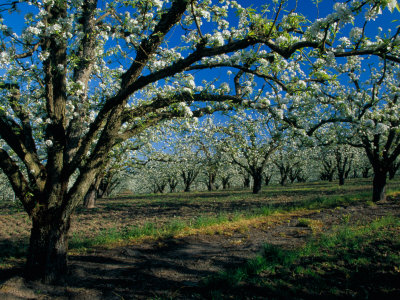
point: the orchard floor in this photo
(172, 268)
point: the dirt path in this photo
(172, 268)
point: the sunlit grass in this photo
(177, 226)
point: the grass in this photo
(304, 222)
(175, 226)
(213, 213)
(352, 261)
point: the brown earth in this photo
(172, 268)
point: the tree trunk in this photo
(283, 180)
(246, 181)
(341, 178)
(106, 188)
(267, 179)
(99, 193)
(257, 182)
(292, 175)
(172, 182)
(90, 198)
(188, 178)
(47, 254)
(187, 187)
(94, 192)
(172, 188)
(211, 181)
(225, 182)
(365, 172)
(379, 186)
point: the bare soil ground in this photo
(173, 268)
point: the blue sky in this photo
(305, 7)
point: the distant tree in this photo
(290, 161)
(366, 111)
(172, 183)
(250, 141)
(284, 167)
(327, 166)
(359, 91)
(205, 137)
(107, 178)
(267, 174)
(246, 180)
(344, 159)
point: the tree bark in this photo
(47, 254)
(365, 172)
(284, 171)
(187, 188)
(283, 180)
(341, 178)
(188, 178)
(90, 198)
(161, 187)
(172, 182)
(225, 182)
(379, 186)
(343, 165)
(93, 193)
(246, 181)
(267, 179)
(211, 181)
(257, 182)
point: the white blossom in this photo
(356, 33)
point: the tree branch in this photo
(150, 45)
(28, 53)
(20, 139)
(17, 180)
(162, 102)
(86, 55)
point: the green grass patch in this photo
(358, 261)
(176, 226)
(304, 222)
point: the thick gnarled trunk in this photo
(47, 254)
(51, 219)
